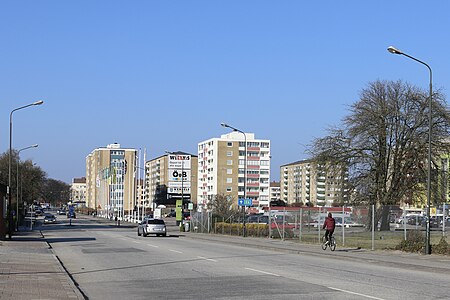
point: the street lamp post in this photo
(8, 192)
(17, 183)
(393, 50)
(245, 171)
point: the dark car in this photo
(259, 219)
(71, 215)
(49, 219)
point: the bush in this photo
(415, 242)
(441, 248)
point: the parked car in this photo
(348, 222)
(49, 219)
(152, 226)
(171, 214)
(186, 215)
(259, 219)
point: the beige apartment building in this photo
(111, 180)
(308, 183)
(222, 166)
(171, 177)
(78, 191)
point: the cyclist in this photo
(329, 225)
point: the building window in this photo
(229, 189)
(229, 180)
(229, 162)
(229, 144)
(229, 171)
(229, 153)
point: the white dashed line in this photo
(208, 259)
(263, 272)
(152, 246)
(175, 251)
(353, 293)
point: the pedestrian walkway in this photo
(30, 270)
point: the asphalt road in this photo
(114, 263)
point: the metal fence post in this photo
(318, 223)
(270, 222)
(301, 223)
(343, 225)
(373, 227)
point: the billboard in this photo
(179, 175)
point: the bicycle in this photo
(331, 244)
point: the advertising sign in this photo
(179, 175)
(177, 190)
(179, 210)
(179, 162)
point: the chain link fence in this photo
(356, 227)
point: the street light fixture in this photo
(17, 183)
(394, 50)
(245, 170)
(8, 192)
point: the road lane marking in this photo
(263, 272)
(175, 251)
(137, 242)
(353, 293)
(152, 246)
(208, 259)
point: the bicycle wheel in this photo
(332, 244)
(324, 245)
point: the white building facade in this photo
(228, 166)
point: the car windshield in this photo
(156, 221)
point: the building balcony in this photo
(253, 167)
(252, 175)
(253, 158)
(252, 193)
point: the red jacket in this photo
(329, 224)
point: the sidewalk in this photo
(30, 270)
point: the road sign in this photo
(245, 202)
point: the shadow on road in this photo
(65, 240)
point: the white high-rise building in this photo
(221, 165)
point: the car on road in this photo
(49, 219)
(152, 226)
(71, 215)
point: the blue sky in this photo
(163, 75)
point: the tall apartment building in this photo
(78, 190)
(221, 169)
(171, 177)
(311, 184)
(275, 191)
(111, 180)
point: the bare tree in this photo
(223, 206)
(384, 141)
